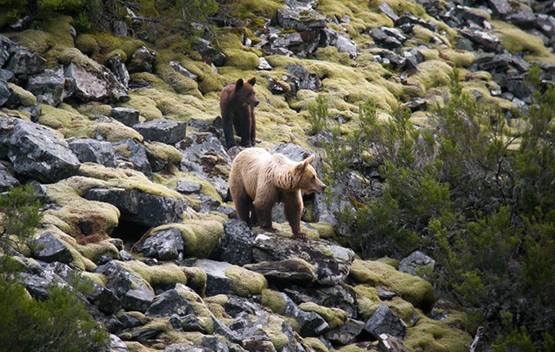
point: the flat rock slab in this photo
(332, 263)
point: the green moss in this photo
(95, 109)
(274, 330)
(330, 53)
(458, 58)
(315, 344)
(402, 308)
(177, 81)
(93, 251)
(73, 210)
(412, 288)
(35, 40)
(164, 152)
(517, 40)
(25, 97)
(431, 74)
(361, 15)
(273, 300)
(145, 105)
(201, 237)
(196, 279)
(367, 300)
(335, 317)
(241, 59)
(434, 336)
(252, 8)
(209, 80)
(157, 275)
(245, 282)
(87, 44)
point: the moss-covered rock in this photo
(245, 282)
(429, 335)
(164, 275)
(412, 288)
(335, 317)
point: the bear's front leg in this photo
(293, 204)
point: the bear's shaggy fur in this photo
(259, 179)
(237, 103)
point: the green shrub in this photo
(59, 323)
(21, 215)
(460, 192)
(318, 118)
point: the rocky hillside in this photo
(116, 126)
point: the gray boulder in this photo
(162, 130)
(417, 263)
(95, 84)
(127, 116)
(384, 321)
(216, 280)
(170, 302)
(117, 345)
(236, 244)
(187, 187)
(7, 180)
(48, 86)
(346, 333)
(36, 151)
(132, 152)
(4, 93)
(388, 343)
(116, 65)
(92, 150)
(307, 20)
(142, 60)
(50, 249)
(163, 245)
(140, 207)
(23, 62)
(6, 46)
(209, 52)
(133, 292)
(176, 65)
(301, 78)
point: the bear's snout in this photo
(256, 103)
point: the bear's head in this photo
(244, 92)
(308, 179)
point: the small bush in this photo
(21, 214)
(59, 323)
(318, 118)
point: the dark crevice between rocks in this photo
(129, 232)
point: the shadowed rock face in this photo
(140, 207)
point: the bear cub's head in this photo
(244, 92)
(309, 181)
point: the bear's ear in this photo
(252, 81)
(310, 159)
(301, 166)
(239, 84)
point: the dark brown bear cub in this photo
(237, 103)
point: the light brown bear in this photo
(259, 179)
